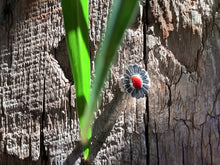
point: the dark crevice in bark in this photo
(144, 35)
(70, 107)
(131, 152)
(147, 140)
(2, 106)
(169, 103)
(146, 23)
(183, 161)
(30, 150)
(210, 148)
(178, 80)
(157, 143)
(201, 145)
(188, 128)
(205, 34)
(219, 127)
(5, 142)
(60, 54)
(199, 53)
(146, 115)
(8, 21)
(215, 101)
(43, 154)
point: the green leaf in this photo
(122, 13)
(76, 22)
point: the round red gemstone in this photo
(136, 81)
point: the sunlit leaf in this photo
(122, 12)
(76, 22)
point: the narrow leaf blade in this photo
(76, 22)
(123, 12)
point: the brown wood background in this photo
(178, 42)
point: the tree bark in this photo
(178, 42)
(184, 66)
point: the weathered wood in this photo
(177, 41)
(184, 66)
(39, 122)
(36, 124)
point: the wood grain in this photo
(178, 123)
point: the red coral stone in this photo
(136, 81)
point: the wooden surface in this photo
(184, 66)
(178, 123)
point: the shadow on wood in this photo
(76, 153)
(104, 123)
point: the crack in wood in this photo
(210, 148)
(157, 143)
(146, 115)
(178, 80)
(30, 149)
(147, 140)
(43, 155)
(183, 161)
(169, 103)
(206, 143)
(215, 101)
(131, 152)
(201, 144)
(70, 107)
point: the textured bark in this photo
(178, 42)
(184, 66)
(39, 121)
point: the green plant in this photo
(76, 25)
